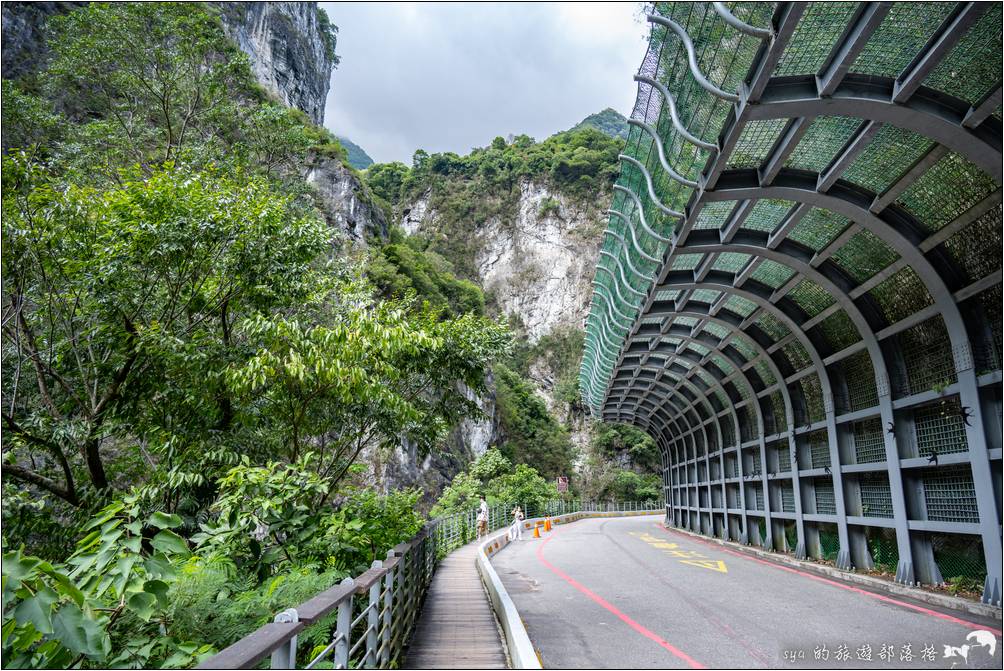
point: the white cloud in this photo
(451, 76)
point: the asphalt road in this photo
(629, 593)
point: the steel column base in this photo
(992, 591)
(744, 538)
(844, 560)
(800, 550)
(904, 573)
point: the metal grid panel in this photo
(783, 458)
(705, 295)
(869, 445)
(826, 503)
(811, 297)
(821, 25)
(876, 497)
(787, 497)
(976, 249)
(767, 214)
(822, 141)
(763, 370)
(903, 32)
(772, 273)
(740, 305)
(901, 295)
(927, 358)
(731, 262)
(864, 255)
(755, 142)
(819, 449)
(890, 153)
(949, 495)
(940, 428)
(859, 377)
(812, 392)
(743, 347)
(686, 261)
(818, 228)
(796, 354)
(987, 354)
(712, 215)
(772, 326)
(839, 330)
(948, 189)
(975, 63)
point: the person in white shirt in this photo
(516, 533)
(483, 517)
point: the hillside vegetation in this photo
(193, 359)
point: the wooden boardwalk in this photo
(456, 629)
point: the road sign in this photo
(562, 483)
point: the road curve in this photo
(630, 593)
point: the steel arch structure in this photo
(799, 295)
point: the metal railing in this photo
(369, 618)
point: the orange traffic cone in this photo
(547, 524)
(536, 531)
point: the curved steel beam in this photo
(661, 153)
(695, 69)
(641, 213)
(741, 26)
(627, 257)
(927, 112)
(670, 102)
(634, 238)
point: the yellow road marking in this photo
(713, 564)
(691, 557)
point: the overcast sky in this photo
(452, 76)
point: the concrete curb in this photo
(871, 582)
(521, 652)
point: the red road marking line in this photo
(694, 664)
(850, 588)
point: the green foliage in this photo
(549, 207)
(494, 475)
(107, 605)
(525, 486)
(609, 121)
(622, 463)
(274, 518)
(28, 121)
(178, 327)
(531, 434)
(377, 374)
(397, 269)
(617, 441)
(126, 301)
(329, 35)
(560, 352)
(467, 191)
(627, 485)
(386, 180)
(356, 156)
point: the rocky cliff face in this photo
(292, 51)
(24, 35)
(405, 467)
(342, 200)
(537, 266)
(291, 48)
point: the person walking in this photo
(516, 533)
(482, 518)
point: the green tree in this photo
(123, 304)
(376, 374)
(108, 604)
(531, 434)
